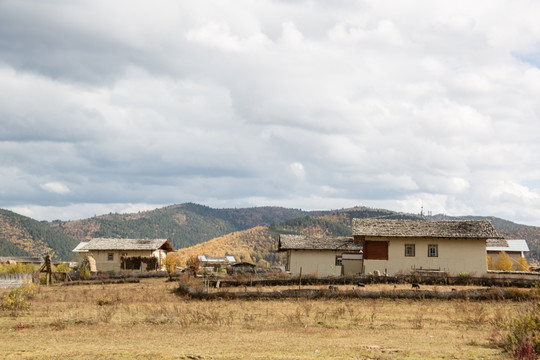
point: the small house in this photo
(216, 262)
(405, 246)
(242, 268)
(321, 255)
(108, 254)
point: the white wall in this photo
(314, 262)
(320, 263)
(455, 256)
(103, 264)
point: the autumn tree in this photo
(171, 262)
(193, 264)
(503, 262)
(489, 262)
(522, 264)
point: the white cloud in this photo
(298, 170)
(271, 103)
(55, 187)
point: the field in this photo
(147, 320)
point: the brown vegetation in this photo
(123, 321)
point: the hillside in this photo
(184, 225)
(261, 242)
(187, 225)
(23, 236)
(257, 245)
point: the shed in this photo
(243, 267)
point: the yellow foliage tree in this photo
(489, 262)
(171, 261)
(522, 265)
(503, 262)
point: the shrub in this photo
(17, 298)
(171, 262)
(193, 264)
(17, 268)
(522, 334)
(105, 300)
(63, 267)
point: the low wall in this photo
(333, 293)
(501, 279)
(14, 280)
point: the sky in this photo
(124, 106)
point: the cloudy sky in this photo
(131, 105)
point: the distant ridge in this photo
(23, 236)
(189, 224)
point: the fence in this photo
(14, 280)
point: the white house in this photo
(405, 246)
(321, 255)
(108, 254)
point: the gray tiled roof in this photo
(305, 242)
(496, 243)
(125, 244)
(470, 229)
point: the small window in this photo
(110, 256)
(409, 249)
(433, 251)
(339, 261)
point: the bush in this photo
(17, 268)
(522, 334)
(17, 298)
(63, 267)
(105, 300)
(172, 261)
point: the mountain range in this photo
(249, 233)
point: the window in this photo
(339, 260)
(110, 256)
(409, 249)
(433, 251)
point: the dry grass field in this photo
(148, 321)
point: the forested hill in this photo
(23, 236)
(184, 225)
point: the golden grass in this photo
(148, 321)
